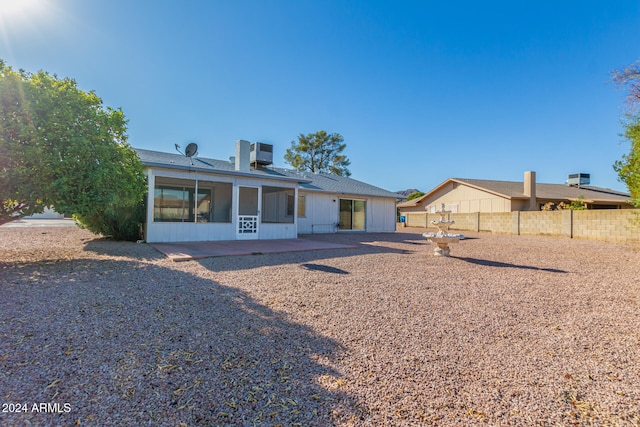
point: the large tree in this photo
(60, 147)
(628, 168)
(629, 79)
(319, 152)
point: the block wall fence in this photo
(616, 225)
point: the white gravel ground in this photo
(511, 330)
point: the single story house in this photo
(198, 199)
(461, 195)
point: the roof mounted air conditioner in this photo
(261, 154)
(579, 179)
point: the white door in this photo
(248, 213)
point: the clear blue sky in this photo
(420, 90)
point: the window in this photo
(302, 206)
(175, 200)
(278, 205)
(203, 205)
(222, 197)
(352, 214)
(171, 204)
(291, 203)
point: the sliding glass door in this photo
(352, 214)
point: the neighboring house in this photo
(477, 195)
(197, 199)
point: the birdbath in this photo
(442, 237)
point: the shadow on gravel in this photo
(140, 251)
(247, 262)
(133, 343)
(490, 263)
(323, 268)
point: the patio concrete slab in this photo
(185, 251)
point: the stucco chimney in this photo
(243, 151)
(530, 189)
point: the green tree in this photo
(578, 205)
(319, 152)
(415, 195)
(60, 147)
(628, 168)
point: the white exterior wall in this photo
(323, 213)
(277, 231)
(190, 231)
(381, 215)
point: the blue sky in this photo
(420, 90)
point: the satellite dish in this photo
(191, 150)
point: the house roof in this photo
(308, 181)
(515, 190)
(159, 159)
(339, 184)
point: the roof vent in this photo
(261, 154)
(579, 179)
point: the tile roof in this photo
(308, 181)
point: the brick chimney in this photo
(243, 152)
(530, 189)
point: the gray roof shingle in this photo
(515, 190)
(308, 181)
(338, 184)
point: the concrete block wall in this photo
(618, 225)
(613, 225)
(499, 222)
(541, 222)
(416, 219)
(464, 221)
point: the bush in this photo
(123, 223)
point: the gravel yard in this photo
(511, 330)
